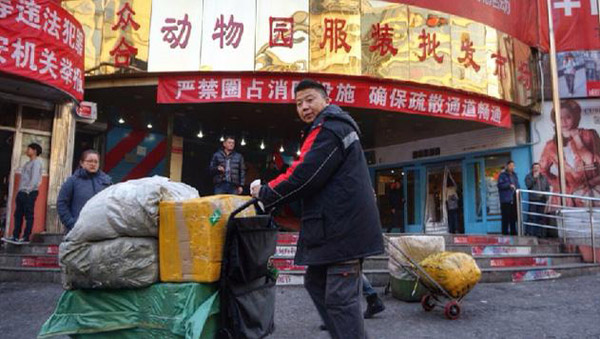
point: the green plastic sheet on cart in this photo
(188, 310)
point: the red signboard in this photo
(576, 24)
(40, 40)
(514, 17)
(360, 92)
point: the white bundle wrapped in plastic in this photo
(127, 209)
(418, 247)
(113, 243)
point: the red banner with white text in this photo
(39, 40)
(344, 91)
(576, 24)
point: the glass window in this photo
(494, 164)
(412, 184)
(37, 119)
(8, 114)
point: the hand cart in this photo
(437, 296)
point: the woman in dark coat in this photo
(86, 182)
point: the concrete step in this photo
(47, 238)
(520, 274)
(20, 260)
(536, 260)
(469, 239)
(31, 248)
(495, 250)
(30, 274)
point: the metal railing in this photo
(575, 218)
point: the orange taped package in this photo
(192, 235)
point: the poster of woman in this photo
(581, 145)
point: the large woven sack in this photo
(127, 209)
(456, 272)
(418, 247)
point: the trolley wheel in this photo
(427, 302)
(452, 310)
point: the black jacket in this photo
(236, 167)
(340, 220)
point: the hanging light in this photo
(298, 152)
(281, 149)
(200, 134)
(222, 138)
(121, 121)
(149, 126)
(243, 142)
(262, 145)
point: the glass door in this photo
(414, 188)
(474, 206)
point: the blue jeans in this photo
(367, 288)
(225, 188)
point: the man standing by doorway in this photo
(340, 221)
(227, 169)
(31, 177)
(536, 181)
(508, 183)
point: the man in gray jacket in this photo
(31, 177)
(536, 181)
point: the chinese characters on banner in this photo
(282, 36)
(469, 58)
(576, 25)
(335, 37)
(384, 28)
(40, 40)
(228, 35)
(383, 95)
(126, 31)
(175, 35)
(430, 58)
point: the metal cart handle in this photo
(253, 201)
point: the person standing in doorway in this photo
(31, 177)
(340, 221)
(86, 182)
(536, 181)
(396, 202)
(508, 183)
(227, 169)
(452, 204)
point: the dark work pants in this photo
(509, 218)
(25, 207)
(536, 219)
(335, 291)
(225, 188)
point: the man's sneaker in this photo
(11, 240)
(374, 306)
(23, 241)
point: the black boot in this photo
(374, 306)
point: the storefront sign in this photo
(344, 91)
(87, 110)
(176, 35)
(41, 41)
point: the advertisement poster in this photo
(580, 129)
(578, 74)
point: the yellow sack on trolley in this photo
(456, 272)
(192, 234)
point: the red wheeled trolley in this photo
(438, 295)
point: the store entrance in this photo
(443, 205)
(6, 149)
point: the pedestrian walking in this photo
(31, 177)
(86, 182)
(340, 221)
(536, 181)
(508, 183)
(452, 205)
(227, 169)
